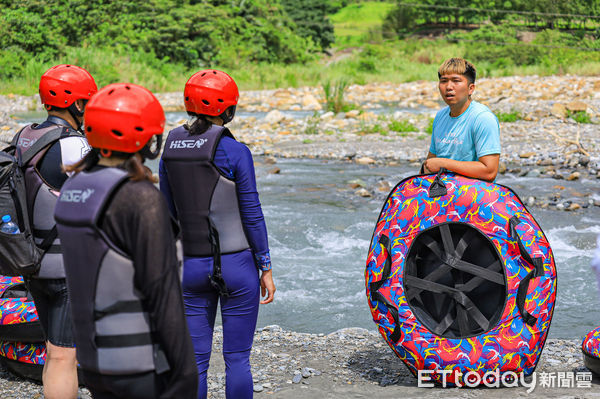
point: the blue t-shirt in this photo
(467, 137)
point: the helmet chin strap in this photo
(76, 114)
(227, 117)
(147, 153)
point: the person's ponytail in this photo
(199, 126)
(87, 162)
(132, 163)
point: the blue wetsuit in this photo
(240, 310)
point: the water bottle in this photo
(8, 226)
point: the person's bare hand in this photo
(267, 286)
(433, 165)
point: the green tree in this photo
(311, 17)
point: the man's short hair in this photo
(459, 66)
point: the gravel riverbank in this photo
(350, 363)
(390, 122)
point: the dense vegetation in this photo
(279, 43)
(513, 32)
(571, 14)
(193, 34)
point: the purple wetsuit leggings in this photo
(239, 312)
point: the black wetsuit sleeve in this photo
(50, 167)
(138, 222)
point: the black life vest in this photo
(41, 198)
(206, 200)
(112, 331)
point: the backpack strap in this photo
(48, 239)
(47, 139)
(15, 139)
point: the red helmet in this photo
(210, 92)
(123, 117)
(61, 85)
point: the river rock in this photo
(274, 117)
(384, 186)
(363, 193)
(526, 154)
(356, 183)
(275, 171)
(573, 207)
(352, 114)
(367, 116)
(258, 388)
(310, 103)
(584, 160)
(573, 176)
(327, 116)
(577, 106)
(365, 161)
(297, 378)
(545, 162)
(530, 201)
(558, 110)
(502, 168)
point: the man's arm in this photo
(486, 168)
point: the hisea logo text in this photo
(187, 143)
(25, 142)
(79, 196)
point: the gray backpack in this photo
(19, 254)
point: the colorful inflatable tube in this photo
(23, 359)
(18, 317)
(460, 278)
(591, 350)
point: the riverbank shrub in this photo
(401, 126)
(579, 116)
(511, 116)
(334, 96)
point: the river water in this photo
(320, 231)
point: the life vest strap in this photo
(124, 340)
(119, 307)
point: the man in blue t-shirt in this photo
(466, 134)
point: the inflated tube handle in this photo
(537, 271)
(438, 188)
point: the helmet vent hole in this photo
(68, 91)
(221, 100)
(214, 72)
(203, 74)
(187, 99)
(128, 88)
(52, 92)
(139, 128)
(205, 102)
(117, 133)
(111, 92)
(89, 129)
